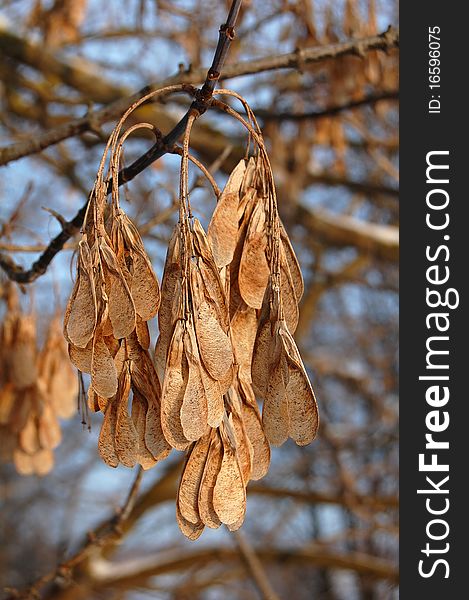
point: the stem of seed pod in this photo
(200, 105)
(185, 212)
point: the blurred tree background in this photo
(323, 523)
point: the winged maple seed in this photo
(36, 387)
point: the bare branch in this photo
(384, 41)
(312, 497)
(327, 112)
(109, 531)
(315, 555)
(343, 230)
(161, 147)
(293, 60)
(254, 566)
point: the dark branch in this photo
(326, 112)
(226, 35)
(110, 530)
(384, 41)
(161, 147)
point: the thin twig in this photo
(384, 41)
(206, 172)
(111, 530)
(293, 60)
(255, 567)
(30, 248)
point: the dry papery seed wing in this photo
(116, 290)
(139, 419)
(281, 381)
(137, 437)
(176, 377)
(210, 316)
(223, 228)
(243, 335)
(118, 437)
(57, 373)
(170, 300)
(8, 445)
(39, 463)
(292, 262)
(23, 353)
(199, 359)
(7, 401)
(24, 403)
(126, 441)
(82, 309)
(147, 402)
(120, 304)
(35, 389)
(106, 446)
(275, 414)
(250, 267)
(212, 487)
(229, 494)
(254, 269)
(262, 350)
(203, 398)
(143, 283)
(191, 399)
(213, 287)
(191, 530)
(289, 298)
(194, 409)
(247, 202)
(104, 376)
(214, 343)
(252, 422)
(302, 406)
(242, 443)
(219, 465)
(49, 431)
(212, 466)
(188, 492)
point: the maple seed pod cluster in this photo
(227, 312)
(36, 389)
(115, 294)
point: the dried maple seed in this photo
(37, 387)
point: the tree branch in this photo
(254, 566)
(343, 230)
(108, 532)
(375, 503)
(119, 574)
(384, 41)
(89, 122)
(268, 115)
(161, 147)
(163, 491)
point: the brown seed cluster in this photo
(37, 387)
(228, 310)
(115, 293)
(244, 284)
